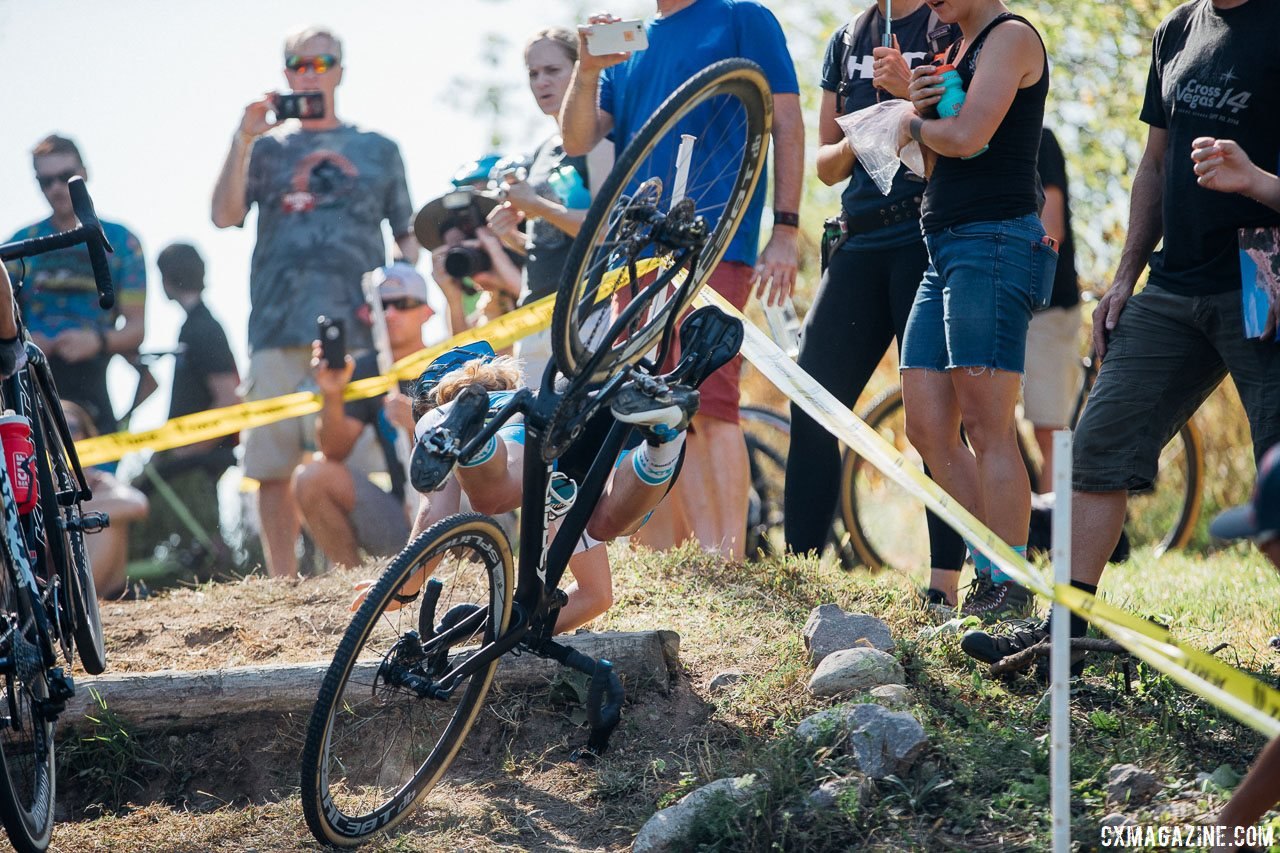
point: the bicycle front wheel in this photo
(376, 745)
(621, 248)
(26, 734)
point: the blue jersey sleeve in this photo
(760, 39)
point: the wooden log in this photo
(642, 659)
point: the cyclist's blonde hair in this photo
(503, 373)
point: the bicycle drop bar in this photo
(89, 232)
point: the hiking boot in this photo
(436, 450)
(1005, 639)
(989, 600)
(1009, 638)
(935, 602)
(660, 411)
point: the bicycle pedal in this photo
(88, 522)
(61, 688)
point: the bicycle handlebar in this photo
(96, 243)
(89, 232)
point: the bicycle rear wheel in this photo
(26, 736)
(374, 745)
(620, 248)
(1166, 516)
(768, 435)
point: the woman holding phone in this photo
(871, 279)
(990, 266)
(554, 196)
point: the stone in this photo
(828, 794)
(830, 629)
(724, 680)
(669, 828)
(892, 694)
(855, 669)
(881, 742)
(1130, 784)
(1116, 819)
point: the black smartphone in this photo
(299, 105)
(332, 335)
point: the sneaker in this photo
(1005, 639)
(987, 599)
(436, 451)
(661, 411)
(935, 601)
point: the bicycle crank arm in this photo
(604, 697)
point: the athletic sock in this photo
(981, 562)
(654, 465)
(482, 455)
(997, 574)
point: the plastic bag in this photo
(873, 134)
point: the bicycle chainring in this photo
(567, 423)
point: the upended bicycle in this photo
(411, 674)
(48, 604)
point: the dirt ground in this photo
(234, 786)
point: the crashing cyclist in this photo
(463, 388)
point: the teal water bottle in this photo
(952, 97)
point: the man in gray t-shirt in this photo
(323, 189)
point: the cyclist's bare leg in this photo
(591, 593)
(495, 486)
(988, 400)
(625, 503)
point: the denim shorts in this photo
(975, 302)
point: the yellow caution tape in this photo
(1237, 693)
(215, 423)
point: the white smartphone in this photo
(618, 37)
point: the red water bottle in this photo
(19, 459)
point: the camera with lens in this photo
(463, 213)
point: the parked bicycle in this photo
(48, 604)
(411, 673)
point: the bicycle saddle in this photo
(709, 338)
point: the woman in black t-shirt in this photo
(554, 196)
(871, 279)
(990, 265)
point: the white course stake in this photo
(1060, 650)
(683, 157)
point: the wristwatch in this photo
(785, 217)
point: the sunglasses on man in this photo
(404, 303)
(48, 181)
(302, 64)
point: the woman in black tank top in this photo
(989, 267)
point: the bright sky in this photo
(153, 90)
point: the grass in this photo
(982, 785)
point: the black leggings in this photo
(862, 304)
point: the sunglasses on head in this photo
(47, 181)
(404, 303)
(302, 64)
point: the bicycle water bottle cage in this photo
(709, 339)
(561, 494)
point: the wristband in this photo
(784, 217)
(916, 125)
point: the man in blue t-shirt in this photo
(613, 95)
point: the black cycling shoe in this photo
(436, 452)
(660, 411)
(989, 600)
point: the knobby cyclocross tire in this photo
(373, 748)
(735, 100)
(66, 551)
(1164, 519)
(766, 432)
(26, 738)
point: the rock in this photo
(881, 742)
(669, 828)
(892, 694)
(829, 793)
(724, 680)
(1117, 819)
(830, 629)
(855, 669)
(1128, 783)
